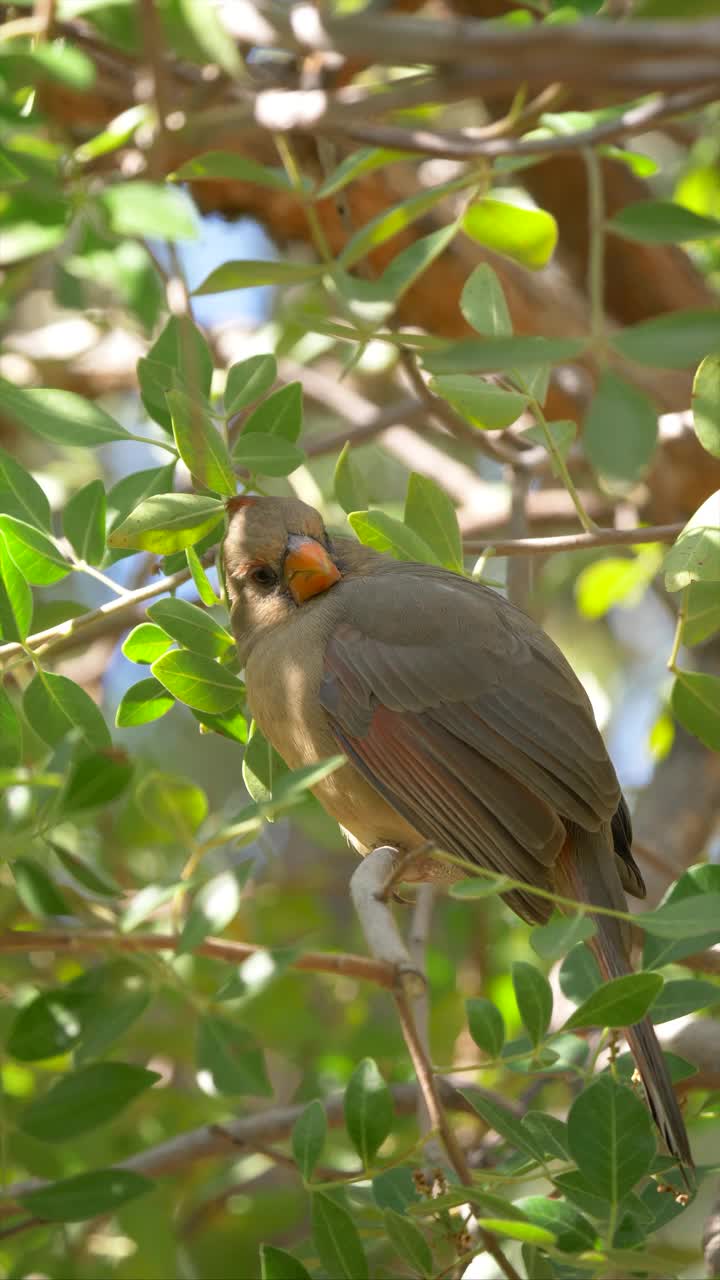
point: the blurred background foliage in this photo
(164, 165)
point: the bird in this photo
(464, 728)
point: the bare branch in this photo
(575, 541)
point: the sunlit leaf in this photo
(168, 522)
(179, 359)
(21, 495)
(526, 235)
(706, 404)
(383, 533)
(695, 557)
(59, 416)
(483, 404)
(213, 907)
(173, 804)
(280, 414)
(387, 224)
(143, 702)
(146, 642)
(34, 554)
(198, 681)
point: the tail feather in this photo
(589, 868)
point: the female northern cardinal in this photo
(462, 723)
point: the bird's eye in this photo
(263, 576)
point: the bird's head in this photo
(277, 557)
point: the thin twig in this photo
(340, 962)
(574, 541)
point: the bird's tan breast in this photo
(283, 673)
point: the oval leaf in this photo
(84, 1099)
(168, 522)
(146, 642)
(267, 455)
(695, 701)
(85, 1196)
(487, 407)
(431, 513)
(620, 431)
(249, 274)
(198, 681)
(483, 304)
(618, 1003)
(368, 1109)
(610, 1137)
(706, 404)
(60, 416)
(383, 533)
(534, 999)
(84, 522)
(191, 627)
(53, 705)
(528, 236)
(337, 1240)
(308, 1138)
(280, 414)
(35, 555)
(142, 703)
(231, 1057)
(200, 444)
(486, 1025)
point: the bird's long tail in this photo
(588, 866)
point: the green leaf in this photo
(337, 1240)
(60, 416)
(534, 999)
(34, 554)
(96, 779)
(493, 355)
(662, 222)
(618, 1003)
(198, 681)
(528, 236)
(212, 909)
(87, 1195)
(10, 733)
(706, 404)
(278, 1264)
(514, 1230)
(168, 522)
(280, 414)
(396, 219)
(502, 1120)
(151, 209)
(247, 381)
(614, 581)
(684, 995)
(191, 627)
(695, 556)
(620, 431)
(349, 486)
(84, 522)
(261, 766)
(129, 492)
(267, 455)
(231, 1057)
(562, 433)
(673, 341)
(87, 876)
(483, 304)
(356, 165)
(233, 725)
(173, 804)
(695, 702)
(16, 602)
(212, 165)
(487, 407)
(408, 265)
(579, 974)
(116, 995)
(21, 495)
(295, 784)
(53, 705)
(308, 1138)
(383, 533)
(248, 274)
(203, 586)
(395, 1189)
(36, 890)
(556, 938)
(408, 1242)
(146, 642)
(430, 512)
(611, 1138)
(85, 1099)
(690, 891)
(142, 703)
(549, 1132)
(703, 612)
(200, 444)
(368, 1110)
(572, 1231)
(486, 1025)
(179, 359)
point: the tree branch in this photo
(339, 962)
(575, 541)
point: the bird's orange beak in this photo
(308, 568)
